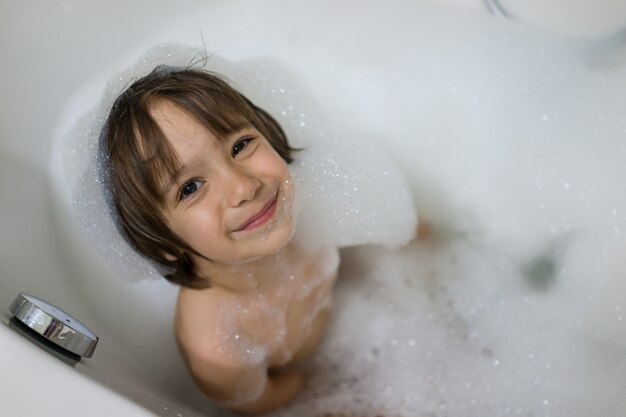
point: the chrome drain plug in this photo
(52, 328)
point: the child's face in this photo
(231, 200)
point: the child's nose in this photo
(241, 187)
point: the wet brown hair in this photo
(139, 158)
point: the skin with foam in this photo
(231, 201)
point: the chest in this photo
(283, 320)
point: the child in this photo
(200, 181)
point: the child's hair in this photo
(140, 158)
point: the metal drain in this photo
(52, 326)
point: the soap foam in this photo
(515, 306)
(333, 174)
(332, 171)
(514, 146)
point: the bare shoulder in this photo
(199, 323)
(208, 344)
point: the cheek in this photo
(194, 226)
(270, 162)
(281, 169)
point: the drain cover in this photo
(54, 324)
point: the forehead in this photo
(177, 119)
(179, 128)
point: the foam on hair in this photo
(332, 173)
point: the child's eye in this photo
(189, 189)
(241, 145)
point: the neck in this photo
(247, 276)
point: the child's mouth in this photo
(262, 217)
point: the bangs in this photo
(209, 100)
(221, 114)
(155, 158)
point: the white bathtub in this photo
(50, 50)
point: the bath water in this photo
(511, 142)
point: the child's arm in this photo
(424, 230)
(279, 390)
(235, 383)
(244, 388)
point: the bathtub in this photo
(52, 49)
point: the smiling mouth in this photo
(262, 217)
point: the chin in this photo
(271, 241)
